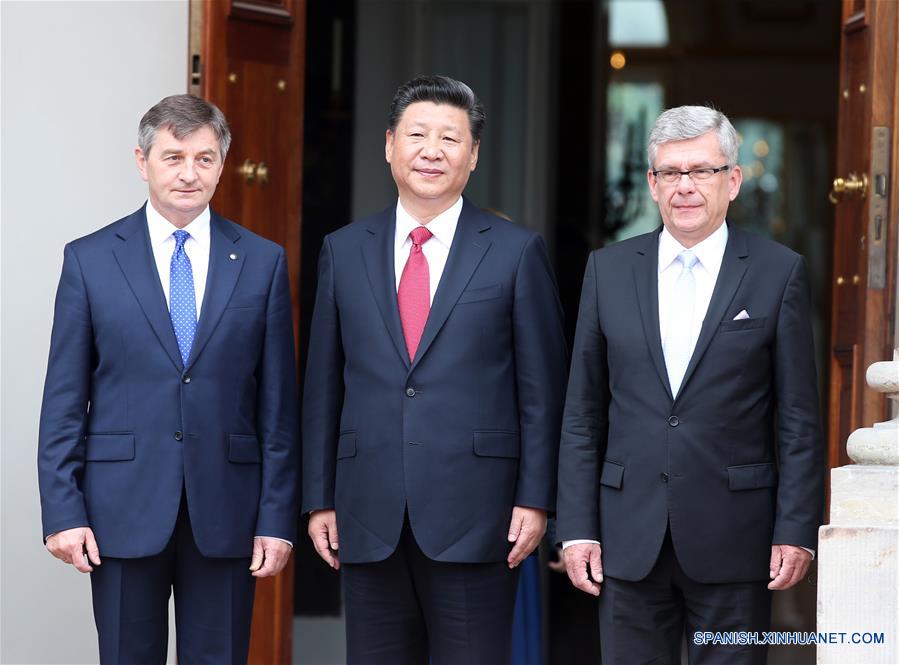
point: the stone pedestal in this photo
(858, 567)
(858, 552)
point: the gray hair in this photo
(182, 115)
(688, 122)
(439, 90)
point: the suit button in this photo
(410, 392)
(186, 379)
(663, 477)
(178, 436)
(673, 421)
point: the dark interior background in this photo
(563, 153)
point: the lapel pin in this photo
(232, 256)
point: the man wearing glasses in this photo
(692, 400)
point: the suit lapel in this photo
(223, 273)
(468, 248)
(378, 258)
(733, 267)
(646, 280)
(135, 259)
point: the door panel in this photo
(247, 57)
(864, 272)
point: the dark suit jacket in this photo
(124, 426)
(462, 434)
(735, 462)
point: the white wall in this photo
(76, 78)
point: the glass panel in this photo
(760, 205)
(630, 210)
(637, 23)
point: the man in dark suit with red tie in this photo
(691, 464)
(432, 400)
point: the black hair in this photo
(439, 90)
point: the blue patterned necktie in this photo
(182, 297)
(678, 346)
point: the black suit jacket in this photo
(735, 462)
(460, 435)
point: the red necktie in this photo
(414, 294)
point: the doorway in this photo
(570, 90)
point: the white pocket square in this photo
(742, 315)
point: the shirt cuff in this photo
(810, 551)
(283, 540)
(581, 541)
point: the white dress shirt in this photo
(709, 253)
(436, 249)
(162, 241)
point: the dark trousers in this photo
(407, 608)
(645, 621)
(213, 604)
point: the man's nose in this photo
(685, 184)
(432, 148)
(188, 171)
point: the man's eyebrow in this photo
(179, 151)
(693, 166)
(418, 124)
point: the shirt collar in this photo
(443, 226)
(162, 229)
(709, 252)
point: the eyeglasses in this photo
(696, 175)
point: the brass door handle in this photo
(247, 170)
(262, 173)
(848, 186)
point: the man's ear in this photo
(388, 145)
(474, 155)
(735, 180)
(140, 159)
(652, 185)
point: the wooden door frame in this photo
(863, 326)
(209, 77)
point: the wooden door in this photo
(865, 256)
(247, 56)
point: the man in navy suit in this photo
(691, 466)
(168, 435)
(432, 400)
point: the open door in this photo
(247, 56)
(864, 193)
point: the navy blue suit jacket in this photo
(735, 463)
(124, 426)
(457, 437)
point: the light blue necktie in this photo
(678, 346)
(182, 297)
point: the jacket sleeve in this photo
(322, 391)
(276, 413)
(540, 367)
(585, 421)
(61, 445)
(800, 491)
